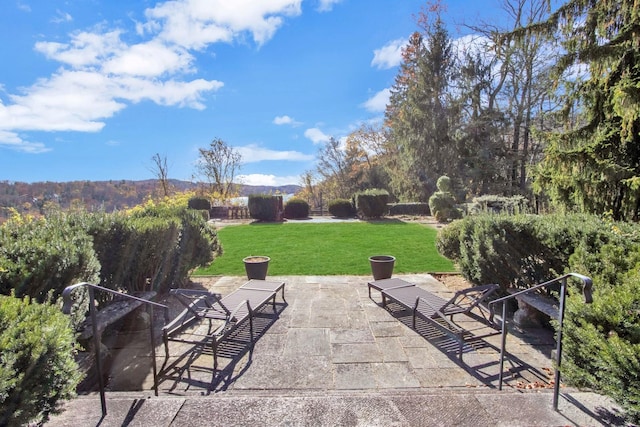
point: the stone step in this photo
(472, 407)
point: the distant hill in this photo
(104, 195)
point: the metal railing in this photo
(587, 284)
(66, 308)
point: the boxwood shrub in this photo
(263, 207)
(416, 208)
(342, 208)
(372, 203)
(296, 209)
(37, 368)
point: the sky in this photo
(94, 89)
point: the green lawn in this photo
(341, 248)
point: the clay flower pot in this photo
(256, 266)
(382, 266)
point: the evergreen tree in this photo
(594, 164)
(418, 146)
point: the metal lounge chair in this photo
(436, 310)
(230, 311)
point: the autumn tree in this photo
(594, 164)
(217, 166)
(160, 170)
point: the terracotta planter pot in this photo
(382, 266)
(256, 266)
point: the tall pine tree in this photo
(418, 145)
(594, 165)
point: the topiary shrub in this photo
(442, 203)
(372, 203)
(263, 207)
(199, 203)
(342, 208)
(296, 209)
(37, 369)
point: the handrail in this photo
(66, 309)
(587, 285)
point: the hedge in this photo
(296, 209)
(342, 208)
(37, 368)
(372, 203)
(602, 339)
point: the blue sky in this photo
(92, 89)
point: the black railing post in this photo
(153, 350)
(556, 385)
(504, 341)
(96, 345)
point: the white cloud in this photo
(285, 120)
(316, 135)
(13, 141)
(61, 17)
(196, 23)
(271, 180)
(253, 153)
(85, 48)
(149, 59)
(389, 55)
(378, 102)
(327, 5)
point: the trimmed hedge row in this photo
(602, 339)
(409, 209)
(342, 208)
(296, 209)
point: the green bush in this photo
(442, 204)
(342, 208)
(37, 369)
(43, 256)
(296, 209)
(416, 208)
(154, 248)
(264, 207)
(602, 339)
(372, 203)
(199, 203)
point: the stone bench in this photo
(534, 309)
(109, 315)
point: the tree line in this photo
(545, 106)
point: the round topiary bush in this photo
(342, 208)
(37, 369)
(199, 203)
(296, 209)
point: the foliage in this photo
(199, 203)
(339, 248)
(264, 207)
(218, 165)
(520, 250)
(40, 257)
(342, 208)
(442, 203)
(409, 209)
(601, 340)
(296, 209)
(372, 203)
(491, 203)
(602, 349)
(593, 163)
(419, 112)
(171, 239)
(37, 368)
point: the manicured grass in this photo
(328, 248)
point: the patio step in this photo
(461, 407)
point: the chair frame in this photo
(232, 310)
(438, 311)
